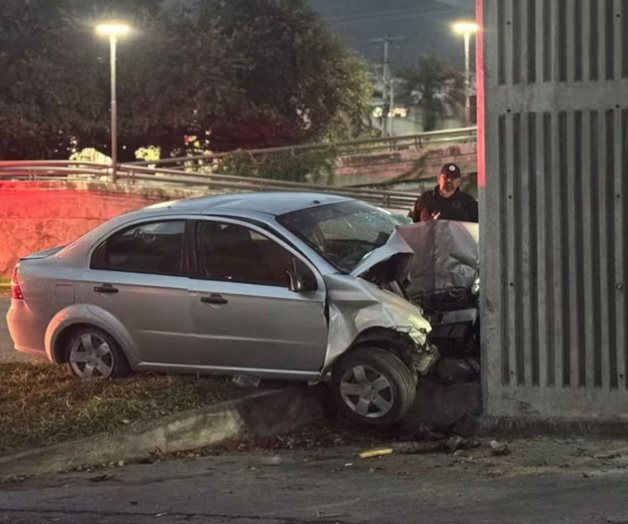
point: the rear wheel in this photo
(373, 386)
(93, 354)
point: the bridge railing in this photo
(166, 177)
(367, 146)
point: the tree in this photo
(435, 87)
(237, 73)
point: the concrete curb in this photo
(263, 414)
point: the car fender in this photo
(357, 306)
(95, 316)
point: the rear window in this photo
(155, 247)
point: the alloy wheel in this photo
(367, 392)
(91, 357)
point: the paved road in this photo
(7, 353)
(320, 486)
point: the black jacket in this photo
(459, 206)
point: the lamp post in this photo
(113, 30)
(466, 29)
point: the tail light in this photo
(16, 291)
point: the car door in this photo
(245, 316)
(137, 276)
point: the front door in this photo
(245, 315)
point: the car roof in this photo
(271, 203)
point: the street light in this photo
(466, 29)
(113, 30)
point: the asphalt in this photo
(322, 486)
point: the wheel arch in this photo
(388, 339)
(66, 321)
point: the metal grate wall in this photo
(555, 216)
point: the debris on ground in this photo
(101, 478)
(373, 453)
(499, 449)
(607, 456)
(246, 381)
(450, 445)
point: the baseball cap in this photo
(450, 170)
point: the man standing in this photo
(446, 201)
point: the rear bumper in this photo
(25, 330)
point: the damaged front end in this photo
(370, 306)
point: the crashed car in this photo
(444, 280)
(296, 286)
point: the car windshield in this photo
(342, 233)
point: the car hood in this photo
(390, 262)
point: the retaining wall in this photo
(39, 215)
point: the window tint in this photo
(156, 247)
(238, 254)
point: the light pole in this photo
(466, 29)
(113, 30)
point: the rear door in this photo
(244, 314)
(136, 275)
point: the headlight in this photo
(419, 335)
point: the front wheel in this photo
(373, 386)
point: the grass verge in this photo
(40, 404)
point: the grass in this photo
(40, 404)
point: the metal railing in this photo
(351, 147)
(165, 177)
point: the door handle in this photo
(214, 299)
(105, 288)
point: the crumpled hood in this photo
(393, 260)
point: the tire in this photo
(372, 386)
(91, 353)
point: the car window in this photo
(155, 247)
(234, 253)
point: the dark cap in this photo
(451, 170)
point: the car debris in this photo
(374, 453)
(499, 449)
(246, 381)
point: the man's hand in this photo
(435, 215)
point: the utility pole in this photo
(387, 88)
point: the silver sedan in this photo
(297, 286)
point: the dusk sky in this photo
(424, 25)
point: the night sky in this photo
(424, 24)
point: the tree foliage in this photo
(314, 166)
(237, 73)
(435, 87)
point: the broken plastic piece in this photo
(246, 381)
(372, 453)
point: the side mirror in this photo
(299, 282)
(295, 283)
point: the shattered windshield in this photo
(342, 233)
